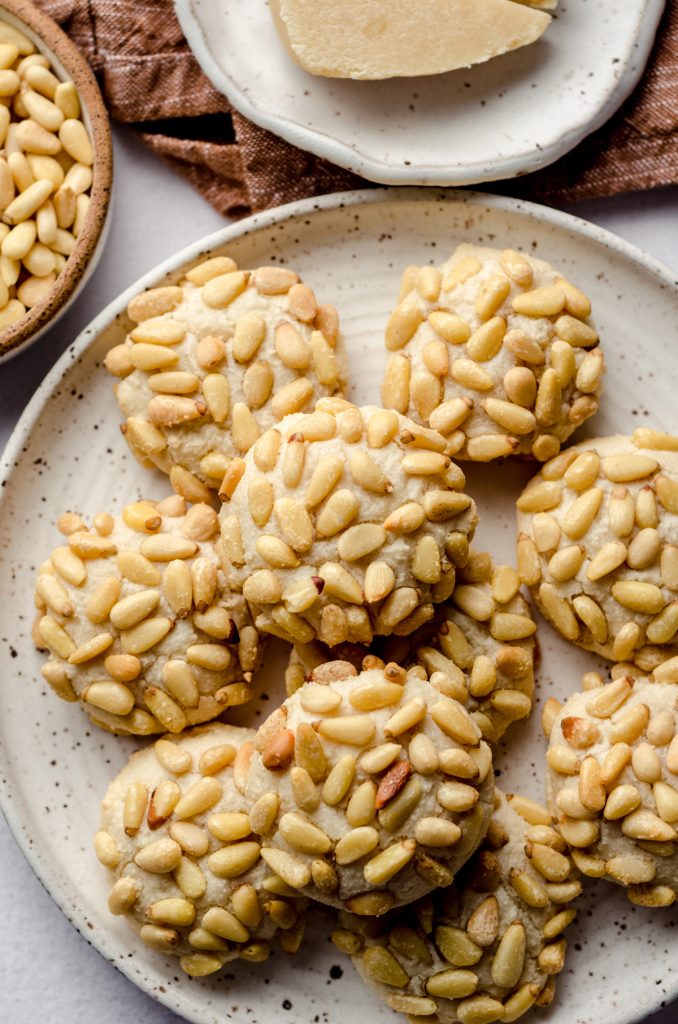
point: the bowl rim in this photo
(51, 40)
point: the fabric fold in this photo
(152, 82)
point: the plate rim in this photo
(66, 899)
(322, 144)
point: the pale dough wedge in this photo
(365, 39)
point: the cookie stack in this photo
(347, 532)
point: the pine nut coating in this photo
(234, 356)
(503, 359)
(618, 803)
(355, 817)
(481, 952)
(596, 547)
(186, 866)
(140, 622)
(320, 543)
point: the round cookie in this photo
(495, 350)
(345, 523)
(140, 622)
(598, 545)
(215, 360)
(486, 948)
(613, 782)
(385, 787)
(181, 843)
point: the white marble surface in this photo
(47, 971)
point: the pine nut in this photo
(583, 472)
(564, 362)
(491, 296)
(453, 984)
(263, 813)
(511, 417)
(111, 696)
(167, 711)
(638, 596)
(427, 281)
(55, 637)
(626, 729)
(486, 447)
(517, 267)
(667, 493)
(575, 332)
(107, 850)
(538, 498)
(456, 796)
(304, 790)
(83, 203)
(199, 798)
(528, 888)
(18, 243)
(666, 799)
(643, 824)
(354, 730)
(54, 595)
(293, 871)
(386, 864)
(123, 895)
(257, 385)
(467, 373)
(173, 757)
(402, 323)
(437, 832)
(27, 203)
(379, 758)
(509, 958)
(646, 764)
(232, 861)
(546, 301)
(64, 242)
(302, 835)
(159, 857)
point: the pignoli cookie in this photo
(139, 621)
(488, 947)
(214, 361)
(382, 786)
(613, 781)
(183, 848)
(598, 545)
(495, 350)
(345, 523)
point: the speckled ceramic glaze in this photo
(67, 453)
(509, 116)
(68, 62)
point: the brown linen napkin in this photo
(151, 81)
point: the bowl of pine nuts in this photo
(55, 173)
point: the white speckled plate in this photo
(512, 115)
(67, 452)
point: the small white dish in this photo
(510, 116)
(55, 766)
